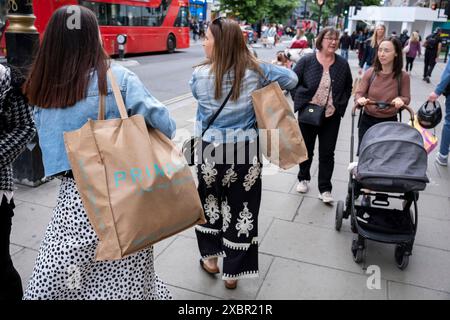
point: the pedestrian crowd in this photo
(65, 86)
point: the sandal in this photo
(231, 284)
(207, 269)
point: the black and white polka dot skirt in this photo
(66, 269)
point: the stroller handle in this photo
(383, 105)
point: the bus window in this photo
(182, 18)
(100, 11)
(134, 15)
(118, 15)
(150, 17)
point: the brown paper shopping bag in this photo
(280, 138)
(135, 185)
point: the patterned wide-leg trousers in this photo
(231, 197)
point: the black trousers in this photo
(429, 63)
(368, 121)
(231, 197)
(10, 282)
(327, 134)
(409, 63)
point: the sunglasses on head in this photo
(218, 22)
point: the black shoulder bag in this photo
(314, 114)
(190, 145)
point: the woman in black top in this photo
(324, 79)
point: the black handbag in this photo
(191, 144)
(313, 114)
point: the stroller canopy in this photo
(392, 154)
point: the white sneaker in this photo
(441, 160)
(326, 197)
(302, 186)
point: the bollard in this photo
(121, 51)
(121, 41)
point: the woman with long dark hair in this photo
(230, 170)
(385, 81)
(65, 83)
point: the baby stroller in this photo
(392, 165)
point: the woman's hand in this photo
(362, 101)
(433, 97)
(398, 103)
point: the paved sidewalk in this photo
(301, 255)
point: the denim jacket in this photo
(51, 123)
(236, 122)
(444, 84)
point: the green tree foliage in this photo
(279, 10)
(335, 7)
(256, 10)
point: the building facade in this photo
(398, 15)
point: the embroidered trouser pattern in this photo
(231, 197)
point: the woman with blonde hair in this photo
(229, 171)
(412, 50)
(371, 47)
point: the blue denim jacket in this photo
(236, 122)
(52, 123)
(445, 81)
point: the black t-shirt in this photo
(345, 42)
(432, 43)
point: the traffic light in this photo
(433, 6)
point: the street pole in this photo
(304, 10)
(320, 3)
(22, 41)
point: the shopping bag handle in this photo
(117, 96)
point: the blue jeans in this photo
(445, 140)
(344, 54)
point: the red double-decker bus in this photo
(150, 25)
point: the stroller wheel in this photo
(339, 215)
(401, 257)
(357, 251)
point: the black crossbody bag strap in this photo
(218, 111)
(328, 97)
(399, 86)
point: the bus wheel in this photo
(171, 43)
